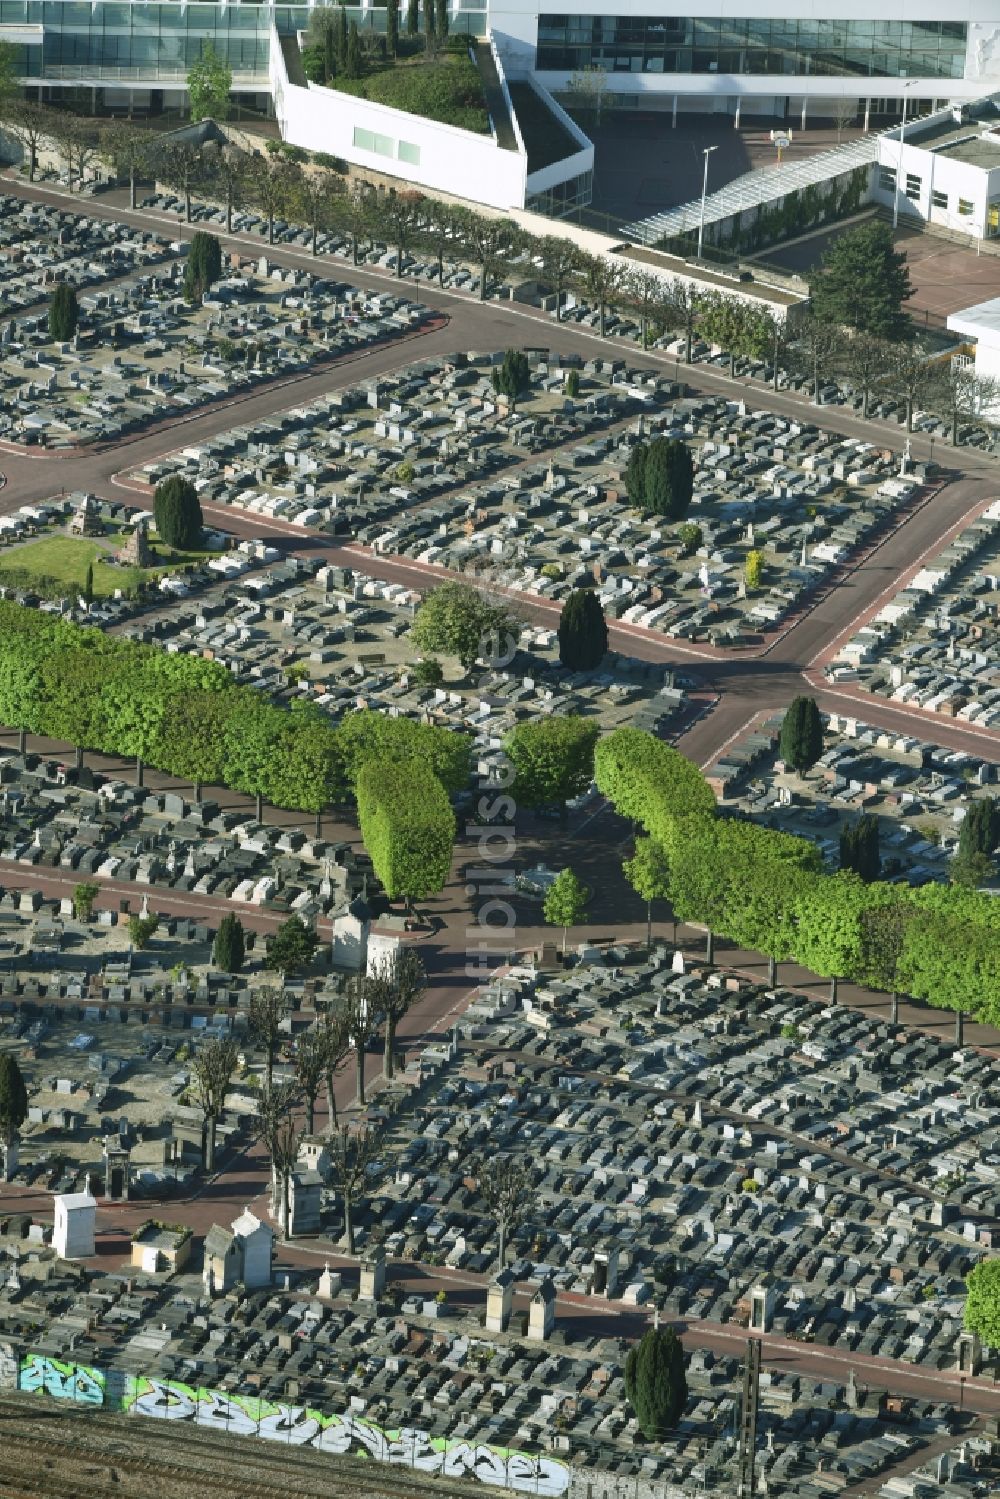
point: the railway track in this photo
(53, 1450)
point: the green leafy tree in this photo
(203, 266)
(859, 848)
(367, 735)
(229, 948)
(141, 929)
(64, 312)
(191, 740)
(441, 19)
(30, 125)
(560, 263)
(8, 77)
(866, 360)
(753, 569)
(428, 672)
(209, 84)
(583, 631)
(393, 990)
(656, 1382)
(457, 620)
(392, 27)
(884, 928)
(605, 281)
(128, 150)
(691, 537)
(971, 870)
(635, 474)
(513, 377)
(182, 165)
(863, 282)
(553, 760)
(13, 1098)
(980, 830)
(84, 896)
(801, 741)
(292, 947)
(648, 872)
(407, 825)
(178, 512)
(565, 902)
(412, 17)
(650, 782)
(982, 1301)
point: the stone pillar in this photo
(116, 1171)
(499, 1300)
(805, 105)
(605, 1281)
(10, 1154)
(674, 117)
(970, 1353)
(372, 1277)
(542, 1313)
(868, 113)
(762, 1299)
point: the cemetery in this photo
(936, 643)
(729, 1153)
(433, 465)
(919, 792)
(144, 351)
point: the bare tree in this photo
(845, 112)
(315, 194)
(359, 1021)
(77, 141)
(682, 306)
(272, 182)
(820, 342)
(354, 1155)
(493, 242)
(504, 1184)
(268, 1008)
(354, 212)
(866, 359)
(180, 165)
(909, 374)
(212, 1071)
(30, 125)
(401, 215)
(961, 395)
(439, 230)
(560, 263)
(604, 282)
(278, 1131)
(336, 1050)
(228, 172)
(644, 291)
(128, 150)
(310, 1070)
(394, 989)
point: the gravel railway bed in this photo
(49, 1448)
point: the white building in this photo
(981, 325)
(73, 1226)
(944, 169)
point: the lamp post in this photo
(704, 189)
(899, 164)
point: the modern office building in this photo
(725, 56)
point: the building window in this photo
(965, 208)
(887, 180)
(406, 152)
(939, 199)
(368, 140)
(913, 186)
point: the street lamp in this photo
(704, 189)
(899, 163)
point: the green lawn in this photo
(59, 563)
(447, 88)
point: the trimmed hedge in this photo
(407, 825)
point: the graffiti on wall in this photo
(40, 1375)
(346, 1435)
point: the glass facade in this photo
(678, 44)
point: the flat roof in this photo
(981, 321)
(974, 141)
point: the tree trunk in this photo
(642, 328)
(270, 228)
(311, 1113)
(390, 1042)
(602, 319)
(131, 188)
(285, 1203)
(502, 1226)
(79, 757)
(482, 284)
(440, 267)
(354, 248)
(772, 971)
(909, 413)
(229, 214)
(399, 262)
(959, 1027)
(864, 404)
(954, 429)
(210, 1144)
(894, 1008)
(359, 1074)
(833, 990)
(649, 926)
(348, 1223)
(315, 238)
(22, 741)
(710, 946)
(564, 943)
(816, 381)
(260, 807)
(197, 791)
(331, 1104)
(319, 824)
(187, 206)
(270, 1066)
(139, 771)
(690, 341)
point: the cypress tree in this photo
(392, 26)
(178, 512)
(583, 631)
(980, 830)
(229, 949)
(442, 18)
(352, 68)
(64, 312)
(859, 848)
(88, 586)
(801, 742)
(667, 479)
(13, 1098)
(656, 1382)
(204, 265)
(342, 35)
(635, 474)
